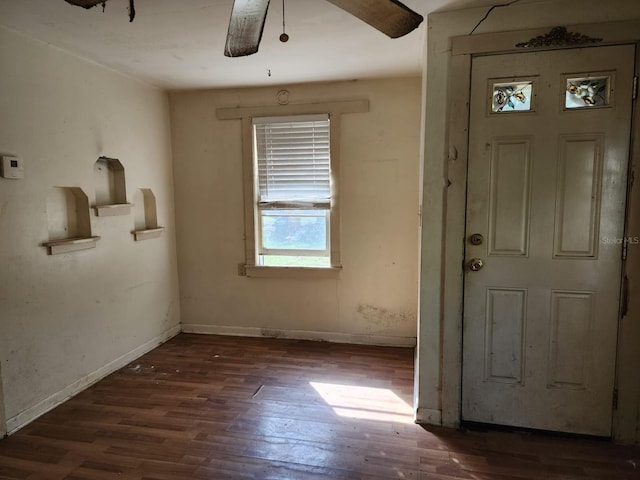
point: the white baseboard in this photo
(428, 416)
(335, 337)
(30, 414)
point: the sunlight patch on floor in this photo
(365, 403)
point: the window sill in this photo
(256, 271)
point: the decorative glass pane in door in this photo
(512, 97)
(586, 92)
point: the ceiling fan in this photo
(248, 16)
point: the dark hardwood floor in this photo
(209, 407)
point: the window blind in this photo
(293, 161)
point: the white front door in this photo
(548, 147)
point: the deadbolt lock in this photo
(476, 239)
(475, 264)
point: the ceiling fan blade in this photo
(85, 3)
(389, 16)
(245, 27)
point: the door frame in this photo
(445, 409)
(3, 420)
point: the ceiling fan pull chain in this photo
(284, 37)
(132, 11)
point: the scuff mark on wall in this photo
(272, 333)
(169, 315)
(139, 285)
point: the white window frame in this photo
(262, 250)
(335, 111)
(290, 203)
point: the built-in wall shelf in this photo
(70, 245)
(145, 215)
(111, 193)
(113, 210)
(147, 234)
(69, 222)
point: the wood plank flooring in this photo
(209, 407)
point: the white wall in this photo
(66, 320)
(374, 298)
(438, 367)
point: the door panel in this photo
(509, 197)
(548, 148)
(578, 197)
(571, 327)
(505, 324)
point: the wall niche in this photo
(145, 215)
(111, 193)
(68, 221)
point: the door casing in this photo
(3, 420)
(449, 323)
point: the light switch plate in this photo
(11, 167)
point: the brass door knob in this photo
(475, 264)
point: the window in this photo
(292, 185)
(316, 214)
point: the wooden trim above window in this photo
(332, 108)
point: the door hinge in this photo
(635, 87)
(615, 398)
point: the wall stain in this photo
(381, 318)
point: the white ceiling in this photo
(179, 44)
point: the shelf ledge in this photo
(67, 245)
(147, 233)
(113, 210)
